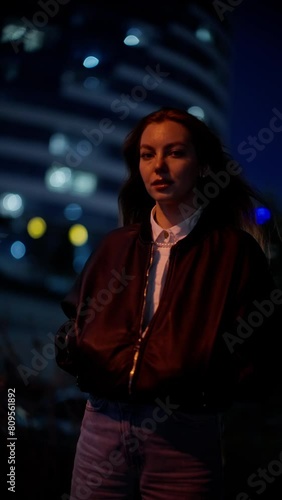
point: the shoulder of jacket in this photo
(111, 244)
(236, 234)
(119, 237)
(236, 237)
(129, 231)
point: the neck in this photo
(170, 215)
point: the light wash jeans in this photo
(149, 452)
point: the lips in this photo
(161, 182)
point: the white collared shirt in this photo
(158, 269)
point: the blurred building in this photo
(75, 78)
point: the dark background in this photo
(49, 406)
(256, 88)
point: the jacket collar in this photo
(176, 232)
(207, 222)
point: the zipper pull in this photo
(135, 357)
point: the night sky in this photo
(256, 83)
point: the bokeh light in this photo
(78, 235)
(58, 178)
(263, 214)
(197, 111)
(73, 211)
(18, 249)
(36, 227)
(204, 35)
(11, 205)
(90, 62)
(131, 40)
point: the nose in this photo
(160, 162)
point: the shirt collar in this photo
(174, 233)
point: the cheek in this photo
(189, 175)
(143, 173)
(187, 181)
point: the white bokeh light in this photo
(204, 35)
(90, 62)
(11, 205)
(131, 40)
(197, 111)
(58, 178)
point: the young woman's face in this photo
(168, 163)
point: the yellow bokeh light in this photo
(78, 235)
(36, 227)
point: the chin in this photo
(164, 198)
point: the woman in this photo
(172, 318)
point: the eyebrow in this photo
(170, 145)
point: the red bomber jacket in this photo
(214, 334)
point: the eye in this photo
(177, 153)
(146, 156)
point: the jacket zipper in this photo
(141, 334)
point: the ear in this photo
(204, 170)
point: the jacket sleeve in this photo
(66, 336)
(255, 338)
(74, 305)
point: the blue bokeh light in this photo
(18, 249)
(263, 214)
(73, 211)
(131, 40)
(90, 62)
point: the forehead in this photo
(167, 131)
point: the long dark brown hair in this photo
(234, 203)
